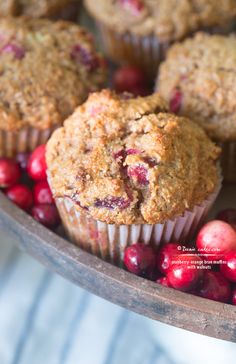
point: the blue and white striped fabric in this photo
(47, 320)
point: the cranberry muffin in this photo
(124, 170)
(47, 69)
(198, 79)
(140, 31)
(54, 9)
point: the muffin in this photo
(124, 170)
(140, 31)
(198, 79)
(47, 69)
(54, 9)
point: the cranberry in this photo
(132, 151)
(165, 256)
(229, 268)
(176, 101)
(23, 159)
(133, 6)
(234, 296)
(37, 164)
(112, 203)
(15, 49)
(215, 287)
(215, 239)
(46, 214)
(185, 273)
(9, 172)
(164, 282)
(139, 174)
(130, 79)
(85, 57)
(140, 259)
(227, 215)
(21, 195)
(42, 193)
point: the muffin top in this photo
(125, 160)
(33, 8)
(169, 19)
(46, 70)
(199, 80)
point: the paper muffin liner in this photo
(24, 140)
(228, 161)
(109, 241)
(68, 12)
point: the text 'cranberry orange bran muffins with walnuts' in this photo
(198, 79)
(47, 69)
(124, 170)
(140, 31)
(54, 9)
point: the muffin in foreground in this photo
(124, 170)
(140, 31)
(54, 9)
(198, 79)
(47, 69)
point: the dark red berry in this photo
(42, 193)
(21, 195)
(215, 287)
(130, 79)
(47, 215)
(185, 273)
(176, 101)
(85, 57)
(227, 215)
(234, 296)
(140, 259)
(133, 6)
(164, 282)
(228, 269)
(9, 172)
(37, 164)
(23, 159)
(17, 50)
(165, 256)
(112, 203)
(139, 174)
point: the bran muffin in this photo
(198, 79)
(54, 9)
(124, 170)
(47, 69)
(140, 31)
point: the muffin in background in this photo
(198, 80)
(53, 9)
(124, 170)
(139, 32)
(47, 69)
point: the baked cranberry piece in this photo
(85, 57)
(9, 172)
(17, 50)
(23, 159)
(229, 268)
(112, 203)
(166, 255)
(164, 282)
(176, 101)
(133, 6)
(234, 296)
(215, 287)
(140, 259)
(21, 195)
(42, 193)
(227, 215)
(46, 214)
(184, 273)
(215, 239)
(139, 174)
(131, 79)
(37, 164)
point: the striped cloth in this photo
(47, 320)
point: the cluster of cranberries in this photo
(24, 182)
(206, 269)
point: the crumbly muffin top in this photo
(199, 80)
(47, 69)
(169, 19)
(33, 8)
(129, 161)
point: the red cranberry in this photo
(215, 287)
(23, 159)
(229, 268)
(15, 49)
(165, 256)
(176, 101)
(185, 273)
(139, 174)
(130, 79)
(140, 259)
(21, 195)
(133, 6)
(215, 239)
(37, 164)
(42, 193)
(164, 282)
(234, 296)
(85, 57)
(227, 215)
(112, 203)
(46, 214)
(9, 172)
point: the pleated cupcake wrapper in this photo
(68, 12)
(110, 241)
(228, 161)
(25, 140)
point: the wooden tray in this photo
(118, 286)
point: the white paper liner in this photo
(109, 241)
(228, 161)
(25, 140)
